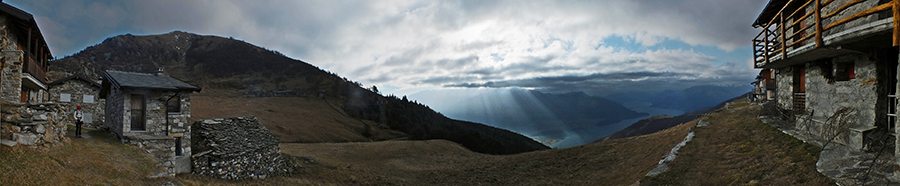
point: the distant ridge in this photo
(658, 123)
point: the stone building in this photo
(831, 58)
(24, 57)
(75, 91)
(151, 111)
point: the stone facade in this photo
(825, 95)
(151, 111)
(237, 148)
(12, 66)
(783, 89)
(36, 125)
(77, 91)
(158, 137)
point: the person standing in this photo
(78, 121)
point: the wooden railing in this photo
(36, 70)
(775, 42)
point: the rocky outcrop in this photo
(33, 124)
(237, 148)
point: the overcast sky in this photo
(407, 46)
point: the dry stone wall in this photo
(237, 148)
(36, 125)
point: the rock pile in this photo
(237, 148)
(32, 124)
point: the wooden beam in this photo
(819, 41)
(896, 9)
(859, 15)
(836, 11)
(783, 39)
(28, 46)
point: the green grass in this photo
(100, 160)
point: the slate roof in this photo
(119, 80)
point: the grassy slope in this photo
(292, 119)
(440, 162)
(738, 149)
(101, 160)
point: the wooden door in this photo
(137, 112)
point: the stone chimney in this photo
(159, 71)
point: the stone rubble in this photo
(33, 124)
(237, 148)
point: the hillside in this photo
(658, 123)
(735, 148)
(742, 150)
(228, 65)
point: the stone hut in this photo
(151, 111)
(75, 91)
(24, 57)
(834, 65)
(237, 148)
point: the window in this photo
(88, 99)
(178, 150)
(64, 97)
(844, 72)
(137, 113)
(174, 104)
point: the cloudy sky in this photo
(404, 46)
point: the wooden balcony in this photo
(35, 68)
(805, 30)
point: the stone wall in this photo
(784, 88)
(237, 148)
(12, 58)
(118, 111)
(77, 89)
(859, 93)
(38, 125)
(114, 112)
(11, 75)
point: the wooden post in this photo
(896, 10)
(766, 44)
(819, 41)
(28, 46)
(783, 39)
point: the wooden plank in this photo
(798, 10)
(859, 15)
(801, 39)
(783, 39)
(819, 41)
(896, 9)
(801, 19)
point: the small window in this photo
(178, 150)
(844, 72)
(174, 104)
(65, 97)
(88, 99)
